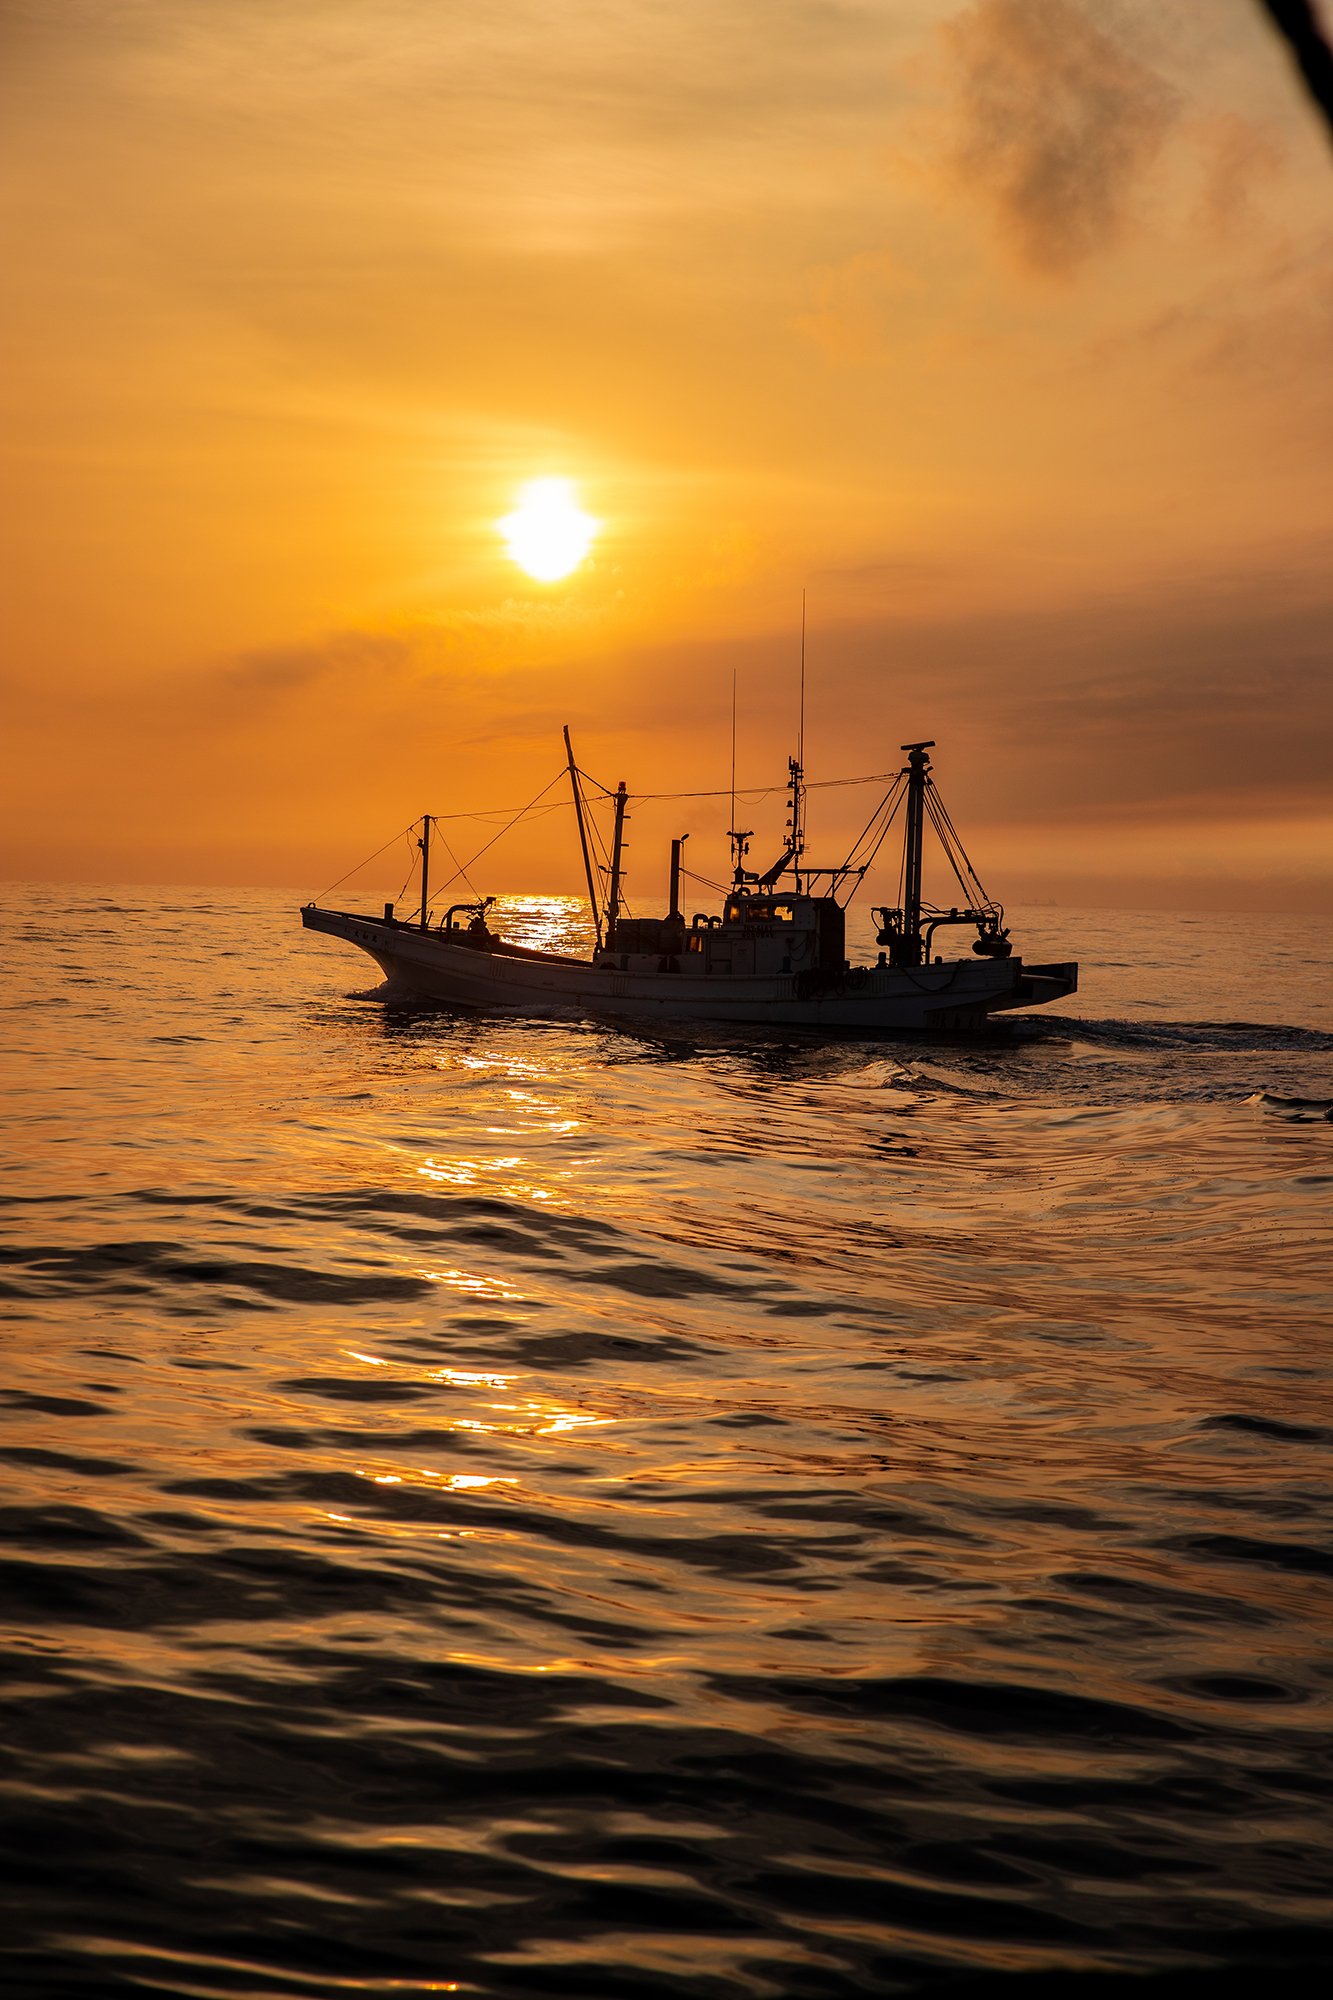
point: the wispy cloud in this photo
(278, 669)
(1060, 125)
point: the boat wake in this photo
(1230, 1035)
(1303, 1110)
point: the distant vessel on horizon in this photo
(774, 956)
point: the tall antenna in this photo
(740, 839)
(800, 733)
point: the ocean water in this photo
(527, 1508)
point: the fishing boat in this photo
(774, 955)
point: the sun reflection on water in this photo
(533, 1416)
(471, 1173)
(470, 1284)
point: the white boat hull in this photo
(958, 995)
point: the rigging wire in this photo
(492, 813)
(931, 793)
(902, 878)
(411, 871)
(966, 875)
(460, 870)
(887, 810)
(601, 858)
(718, 888)
(534, 806)
(588, 779)
(751, 798)
(754, 798)
(899, 786)
(472, 861)
(601, 855)
(601, 852)
(404, 831)
(933, 815)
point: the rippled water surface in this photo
(527, 1508)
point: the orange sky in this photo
(1002, 329)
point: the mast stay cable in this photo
(411, 871)
(956, 853)
(461, 870)
(718, 888)
(563, 805)
(403, 833)
(472, 861)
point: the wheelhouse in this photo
(763, 909)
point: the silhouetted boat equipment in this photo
(775, 954)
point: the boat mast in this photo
(424, 845)
(917, 766)
(583, 839)
(617, 845)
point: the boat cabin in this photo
(755, 933)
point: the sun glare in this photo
(548, 534)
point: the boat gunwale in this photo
(397, 927)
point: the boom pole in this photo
(583, 839)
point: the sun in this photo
(548, 534)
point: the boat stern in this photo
(1036, 985)
(1025, 986)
